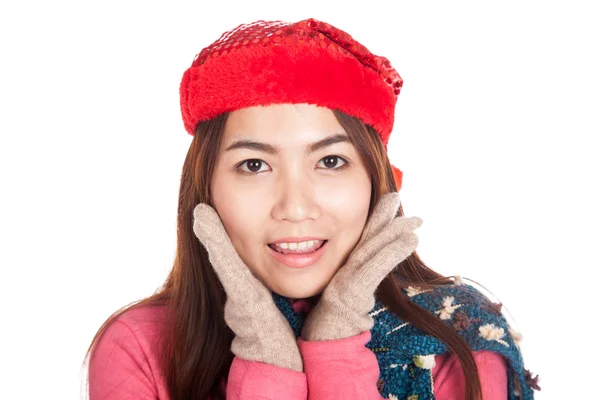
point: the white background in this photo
(496, 131)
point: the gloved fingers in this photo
(262, 333)
(235, 276)
(384, 212)
(208, 226)
(398, 228)
(371, 274)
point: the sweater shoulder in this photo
(138, 329)
(125, 359)
(145, 321)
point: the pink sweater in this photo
(124, 366)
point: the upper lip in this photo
(296, 239)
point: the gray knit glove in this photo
(262, 333)
(343, 310)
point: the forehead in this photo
(278, 121)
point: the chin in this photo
(296, 292)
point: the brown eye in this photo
(330, 162)
(253, 166)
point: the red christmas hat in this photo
(310, 61)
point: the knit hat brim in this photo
(294, 73)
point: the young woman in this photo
(296, 274)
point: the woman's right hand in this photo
(262, 333)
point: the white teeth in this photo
(297, 246)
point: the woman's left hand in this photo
(343, 310)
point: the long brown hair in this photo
(196, 341)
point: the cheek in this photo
(349, 201)
(240, 215)
(348, 207)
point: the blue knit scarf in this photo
(403, 351)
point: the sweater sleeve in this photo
(346, 368)
(340, 369)
(252, 380)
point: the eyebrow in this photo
(270, 149)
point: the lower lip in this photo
(299, 260)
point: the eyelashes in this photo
(239, 166)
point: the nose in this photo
(295, 198)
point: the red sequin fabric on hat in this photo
(311, 31)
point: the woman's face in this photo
(282, 186)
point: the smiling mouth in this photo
(298, 251)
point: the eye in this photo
(331, 161)
(253, 166)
